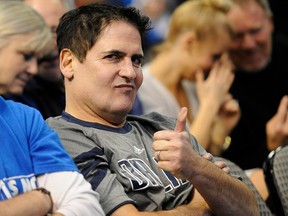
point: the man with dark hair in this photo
(147, 165)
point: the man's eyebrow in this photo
(138, 56)
(114, 52)
(117, 52)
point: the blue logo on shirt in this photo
(11, 187)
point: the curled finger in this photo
(223, 166)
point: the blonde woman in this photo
(198, 37)
(23, 38)
(36, 174)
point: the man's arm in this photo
(196, 207)
(215, 105)
(71, 194)
(30, 204)
(277, 126)
(224, 194)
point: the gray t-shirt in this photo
(119, 162)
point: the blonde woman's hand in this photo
(214, 89)
(229, 114)
(225, 121)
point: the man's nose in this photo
(248, 41)
(127, 70)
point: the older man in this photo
(261, 79)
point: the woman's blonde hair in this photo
(204, 17)
(16, 18)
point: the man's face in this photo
(105, 84)
(51, 11)
(251, 47)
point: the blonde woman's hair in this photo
(16, 18)
(204, 17)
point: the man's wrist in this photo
(47, 193)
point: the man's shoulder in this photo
(58, 123)
(153, 119)
(53, 120)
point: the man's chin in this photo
(252, 63)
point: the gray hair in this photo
(16, 18)
(263, 3)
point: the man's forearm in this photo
(192, 209)
(224, 194)
(27, 204)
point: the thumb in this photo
(181, 120)
(282, 109)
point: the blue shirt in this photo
(28, 148)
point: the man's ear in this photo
(66, 63)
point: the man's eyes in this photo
(252, 32)
(255, 31)
(113, 56)
(136, 59)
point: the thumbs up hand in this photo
(181, 120)
(173, 149)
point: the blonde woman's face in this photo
(18, 65)
(207, 52)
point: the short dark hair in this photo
(80, 28)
